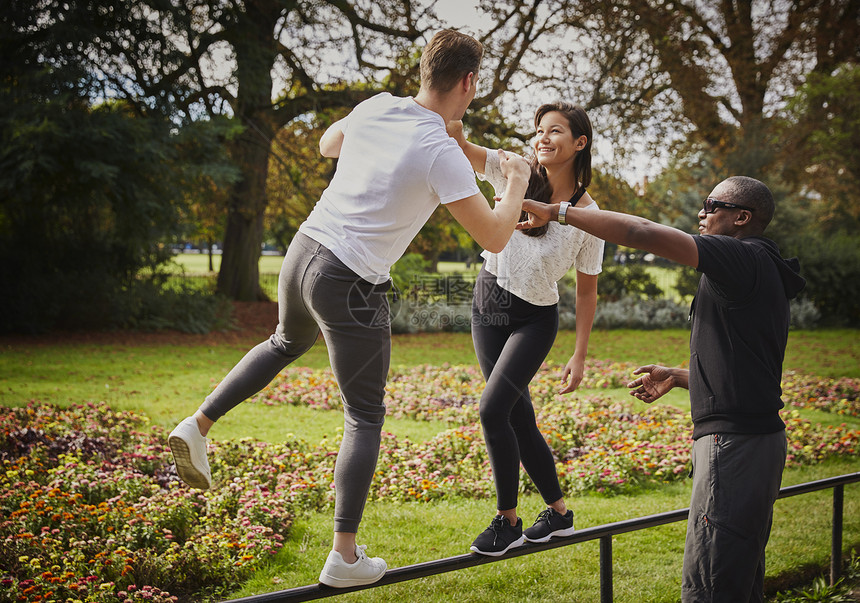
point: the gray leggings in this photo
(318, 293)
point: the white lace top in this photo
(530, 267)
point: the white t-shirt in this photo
(530, 267)
(396, 164)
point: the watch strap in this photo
(562, 212)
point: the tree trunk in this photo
(239, 276)
(255, 48)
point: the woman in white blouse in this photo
(515, 319)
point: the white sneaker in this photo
(189, 453)
(338, 573)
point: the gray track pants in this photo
(736, 480)
(317, 292)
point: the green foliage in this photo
(823, 592)
(297, 174)
(149, 307)
(625, 280)
(687, 281)
(629, 299)
(86, 195)
(408, 272)
(611, 192)
(831, 266)
(675, 197)
(819, 139)
(434, 317)
(804, 314)
(633, 313)
(86, 192)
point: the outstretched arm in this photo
(657, 381)
(492, 228)
(621, 229)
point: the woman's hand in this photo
(455, 131)
(514, 166)
(572, 376)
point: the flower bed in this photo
(839, 396)
(443, 392)
(93, 511)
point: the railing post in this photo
(836, 537)
(606, 569)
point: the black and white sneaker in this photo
(548, 524)
(499, 537)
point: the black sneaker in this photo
(499, 537)
(548, 524)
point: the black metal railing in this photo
(603, 533)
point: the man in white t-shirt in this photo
(396, 165)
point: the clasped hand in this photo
(538, 214)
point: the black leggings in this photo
(512, 338)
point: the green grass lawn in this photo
(168, 382)
(198, 263)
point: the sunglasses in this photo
(712, 204)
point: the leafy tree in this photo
(85, 191)
(713, 72)
(676, 195)
(264, 63)
(820, 140)
(205, 190)
(831, 266)
(612, 192)
(297, 175)
(441, 233)
(632, 280)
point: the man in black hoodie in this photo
(740, 319)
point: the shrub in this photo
(150, 307)
(804, 314)
(831, 267)
(435, 317)
(687, 281)
(628, 280)
(633, 313)
(406, 272)
(435, 303)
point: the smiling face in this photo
(554, 142)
